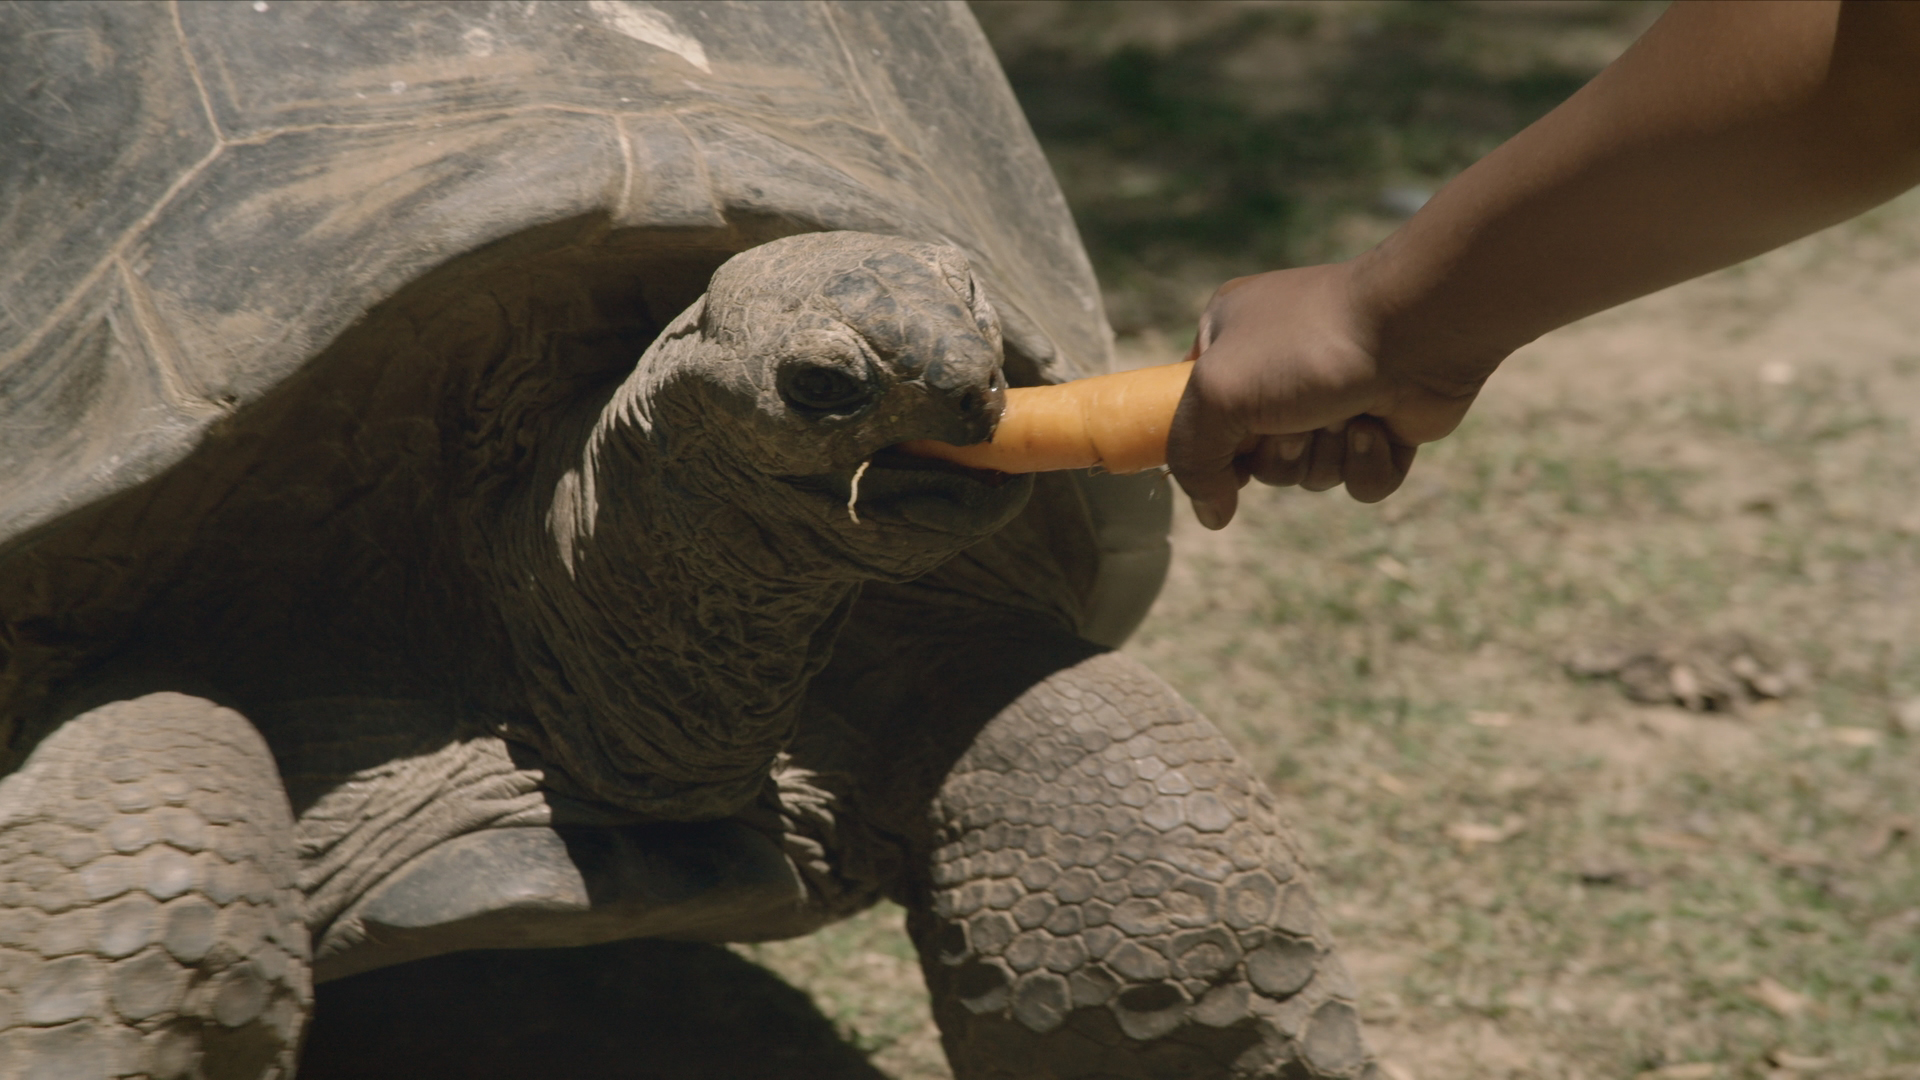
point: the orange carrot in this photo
(1118, 422)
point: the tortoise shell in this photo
(213, 209)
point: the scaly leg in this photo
(1098, 885)
(1114, 895)
(148, 912)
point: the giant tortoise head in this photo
(785, 386)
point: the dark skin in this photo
(1727, 130)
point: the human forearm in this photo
(1727, 130)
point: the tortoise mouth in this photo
(898, 490)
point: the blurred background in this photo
(1198, 141)
(1602, 733)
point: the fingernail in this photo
(1362, 441)
(1207, 515)
(1291, 448)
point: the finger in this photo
(1372, 471)
(1203, 458)
(1279, 460)
(1205, 448)
(1324, 460)
(1215, 507)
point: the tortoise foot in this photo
(1114, 896)
(148, 909)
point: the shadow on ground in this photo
(643, 1010)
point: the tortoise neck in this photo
(665, 636)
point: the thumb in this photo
(1202, 451)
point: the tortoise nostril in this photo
(978, 409)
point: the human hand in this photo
(1289, 387)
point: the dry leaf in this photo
(1515, 779)
(1723, 673)
(1802, 858)
(1687, 689)
(1889, 833)
(1622, 877)
(1906, 716)
(1393, 569)
(1692, 1070)
(1854, 736)
(1666, 840)
(1779, 999)
(1479, 718)
(1471, 834)
(1390, 783)
(1798, 1062)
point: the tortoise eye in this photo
(821, 389)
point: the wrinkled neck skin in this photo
(667, 602)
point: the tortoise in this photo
(364, 599)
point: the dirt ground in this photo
(1532, 874)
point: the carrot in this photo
(1118, 422)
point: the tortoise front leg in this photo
(1112, 894)
(147, 903)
